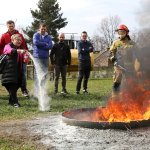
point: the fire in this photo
(133, 103)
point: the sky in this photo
(81, 14)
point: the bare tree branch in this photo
(107, 29)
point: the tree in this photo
(107, 29)
(48, 12)
(99, 43)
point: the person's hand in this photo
(28, 54)
(112, 59)
(90, 48)
(21, 51)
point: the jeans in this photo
(24, 82)
(84, 72)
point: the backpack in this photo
(3, 62)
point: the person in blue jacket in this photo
(84, 47)
(42, 43)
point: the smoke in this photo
(143, 40)
(143, 19)
(133, 63)
(143, 14)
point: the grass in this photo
(98, 89)
(9, 145)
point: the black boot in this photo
(116, 87)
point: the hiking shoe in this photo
(25, 93)
(16, 105)
(85, 92)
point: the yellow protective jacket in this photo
(121, 44)
(125, 51)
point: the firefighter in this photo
(122, 55)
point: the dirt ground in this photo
(49, 132)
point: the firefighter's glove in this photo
(112, 59)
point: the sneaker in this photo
(85, 92)
(16, 105)
(63, 92)
(77, 92)
(25, 93)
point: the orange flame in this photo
(133, 103)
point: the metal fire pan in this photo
(74, 118)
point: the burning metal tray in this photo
(81, 117)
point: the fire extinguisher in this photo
(26, 58)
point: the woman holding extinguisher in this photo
(12, 75)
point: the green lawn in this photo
(98, 90)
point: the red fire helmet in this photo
(123, 27)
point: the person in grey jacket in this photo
(84, 49)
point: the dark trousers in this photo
(24, 81)
(60, 70)
(12, 90)
(84, 72)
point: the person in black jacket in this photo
(60, 57)
(12, 73)
(84, 50)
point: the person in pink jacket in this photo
(4, 40)
(12, 73)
